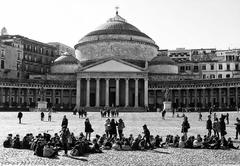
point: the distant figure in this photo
(163, 114)
(200, 116)
(65, 121)
(42, 116)
(237, 128)
(227, 118)
(50, 115)
(173, 112)
(88, 128)
(20, 115)
(209, 125)
(185, 127)
(65, 134)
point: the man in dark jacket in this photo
(209, 126)
(237, 127)
(146, 133)
(20, 115)
(222, 127)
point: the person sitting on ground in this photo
(197, 143)
(216, 143)
(176, 141)
(16, 142)
(189, 142)
(224, 143)
(49, 151)
(26, 142)
(126, 145)
(182, 142)
(158, 141)
(230, 144)
(39, 149)
(130, 138)
(135, 144)
(95, 148)
(8, 142)
(117, 145)
(107, 145)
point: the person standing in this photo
(42, 116)
(227, 118)
(185, 127)
(121, 126)
(50, 114)
(200, 116)
(163, 114)
(65, 133)
(237, 128)
(65, 121)
(113, 128)
(216, 127)
(209, 125)
(222, 127)
(88, 128)
(20, 115)
(107, 127)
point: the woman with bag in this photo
(88, 128)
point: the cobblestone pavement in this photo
(133, 121)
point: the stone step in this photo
(120, 109)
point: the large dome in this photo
(117, 25)
(116, 38)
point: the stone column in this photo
(220, 97)
(236, 97)
(88, 93)
(203, 98)
(136, 92)
(195, 97)
(78, 93)
(117, 92)
(228, 97)
(1, 96)
(53, 97)
(18, 97)
(211, 96)
(126, 92)
(179, 97)
(61, 98)
(107, 93)
(70, 98)
(10, 97)
(27, 97)
(187, 97)
(97, 92)
(35, 91)
(146, 92)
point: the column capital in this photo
(97, 79)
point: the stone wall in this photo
(121, 49)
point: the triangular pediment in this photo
(113, 66)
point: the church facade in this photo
(117, 65)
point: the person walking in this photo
(113, 129)
(227, 118)
(65, 134)
(121, 126)
(65, 121)
(185, 127)
(237, 128)
(209, 125)
(163, 114)
(200, 116)
(42, 116)
(20, 115)
(88, 128)
(146, 133)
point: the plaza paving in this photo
(133, 122)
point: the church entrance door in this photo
(112, 96)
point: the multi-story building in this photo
(37, 56)
(11, 55)
(62, 48)
(180, 54)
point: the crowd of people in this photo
(45, 145)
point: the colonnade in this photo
(107, 93)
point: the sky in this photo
(170, 23)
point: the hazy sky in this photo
(170, 23)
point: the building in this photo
(118, 65)
(37, 56)
(11, 55)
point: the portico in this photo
(112, 82)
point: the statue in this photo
(166, 94)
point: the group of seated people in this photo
(207, 142)
(46, 146)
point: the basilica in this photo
(117, 65)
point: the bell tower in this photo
(4, 31)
